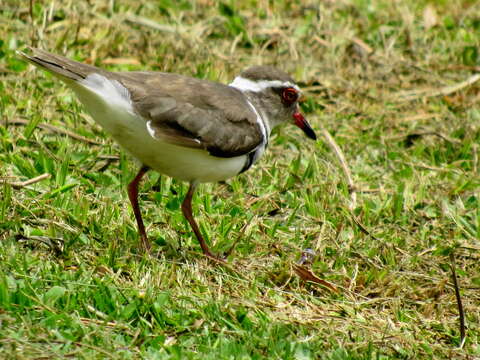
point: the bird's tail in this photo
(59, 66)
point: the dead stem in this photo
(461, 314)
(22, 184)
(346, 170)
(53, 129)
(447, 90)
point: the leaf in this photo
(128, 311)
(60, 190)
(307, 275)
(198, 323)
(55, 293)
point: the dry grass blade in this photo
(139, 20)
(461, 313)
(363, 45)
(22, 184)
(361, 226)
(97, 349)
(348, 176)
(53, 129)
(417, 94)
(346, 170)
(55, 244)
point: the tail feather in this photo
(60, 66)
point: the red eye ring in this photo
(289, 95)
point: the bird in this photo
(190, 129)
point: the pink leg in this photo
(187, 212)
(133, 196)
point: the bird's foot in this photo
(217, 258)
(220, 258)
(146, 244)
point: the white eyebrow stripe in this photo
(244, 84)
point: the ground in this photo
(393, 82)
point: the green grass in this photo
(73, 282)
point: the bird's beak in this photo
(303, 124)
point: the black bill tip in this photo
(303, 124)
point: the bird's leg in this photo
(133, 196)
(187, 212)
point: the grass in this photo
(72, 280)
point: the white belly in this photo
(116, 116)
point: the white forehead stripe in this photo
(243, 84)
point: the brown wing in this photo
(195, 113)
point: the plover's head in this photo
(278, 95)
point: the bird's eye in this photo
(289, 96)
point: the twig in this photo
(346, 169)
(461, 67)
(110, 324)
(461, 314)
(353, 279)
(447, 90)
(96, 348)
(420, 117)
(428, 167)
(55, 244)
(361, 226)
(22, 184)
(363, 45)
(321, 41)
(53, 129)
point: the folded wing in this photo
(194, 113)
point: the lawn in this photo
(389, 203)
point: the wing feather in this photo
(194, 113)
